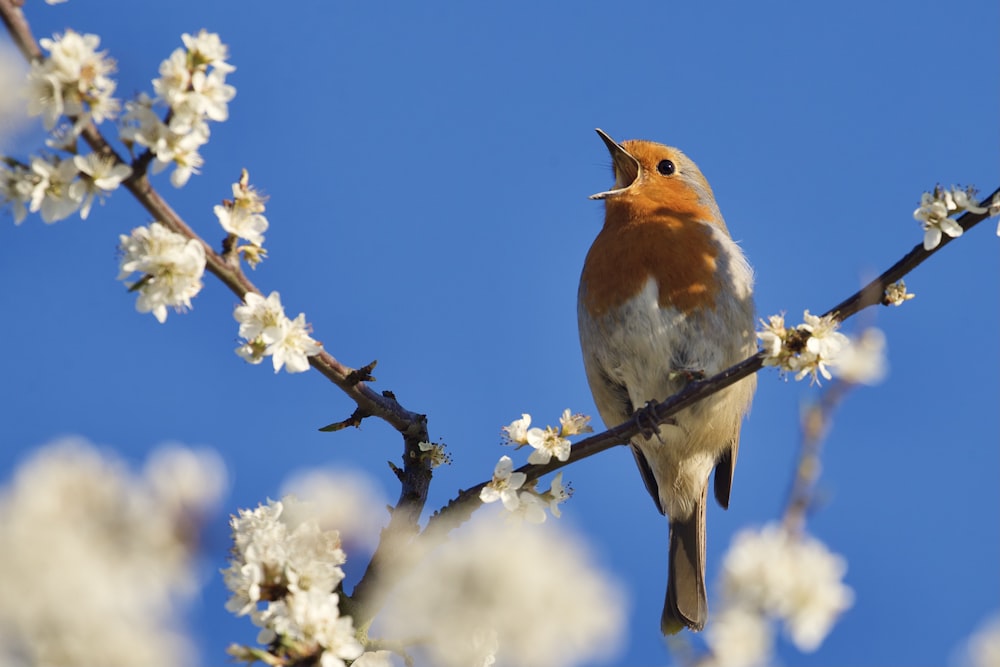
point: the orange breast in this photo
(674, 248)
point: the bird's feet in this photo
(649, 426)
(687, 375)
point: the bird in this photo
(666, 297)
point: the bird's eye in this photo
(666, 167)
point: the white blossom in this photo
(896, 294)
(547, 443)
(192, 85)
(99, 562)
(72, 81)
(806, 350)
(557, 495)
(101, 175)
(521, 594)
(172, 266)
(241, 216)
(206, 49)
(935, 209)
(295, 347)
(283, 573)
(434, 453)
(268, 332)
(56, 192)
(517, 432)
(275, 553)
(504, 485)
(574, 424)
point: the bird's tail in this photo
(687, 603)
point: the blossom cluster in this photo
(72, 81)
(513, 594)
(100, 561)
(242, 218)
(772, 574)
(171, 266)
(807, 349)
(935, 210)
(547, 442)
(510, 487)
(192, 84)
(269, 333)
(283, 571)
(58, 187)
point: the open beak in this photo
(626, 167)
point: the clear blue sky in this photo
(428, 168)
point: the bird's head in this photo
(651, 177)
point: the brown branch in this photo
(17, 26)
(871, 294)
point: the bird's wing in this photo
(725, 467)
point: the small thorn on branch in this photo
(354, 420)
(363, 374)
(396, 470)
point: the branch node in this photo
(354, 420)
(363, 374)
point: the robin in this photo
(666, 296)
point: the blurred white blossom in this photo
(268, 332)
(16, 185)
(172, 266)
(345, 500)
(13, 112)
(374, 659)
(514, 594)
(283, 571)
(983, 647)
(739, 637)
(791, 578)
(97, 561)
(73, 81)
(863, 361)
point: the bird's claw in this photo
(649, 426)
(687, 374)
